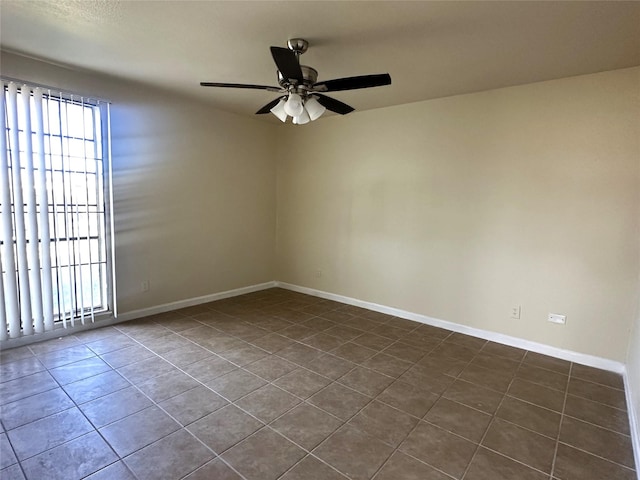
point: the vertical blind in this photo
(54, 230)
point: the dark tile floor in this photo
(280, 385)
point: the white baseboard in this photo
(190, 302)
(634, 427)
(577, 357)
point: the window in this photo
(55, 235)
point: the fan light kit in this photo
(302, 99)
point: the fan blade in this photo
(287, 63)
(241, 85)
(267, 108)
(334, 105)
(353, 83)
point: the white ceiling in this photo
(431, 49)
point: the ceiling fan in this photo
(302, 95)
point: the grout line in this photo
(564, 405)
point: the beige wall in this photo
(194, 189)
(460, 208)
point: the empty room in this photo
(319, 240)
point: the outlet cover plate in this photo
(556, 318)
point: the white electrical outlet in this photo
(515, 311)
(318, 273)
(144, 286)
(559, 319)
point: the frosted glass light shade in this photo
(293, 105)
(302, 118)
(314, 108)
(279, 112)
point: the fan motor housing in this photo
(309, 74)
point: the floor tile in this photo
(521, 445)
(65, 356)
(111, 343)
(373, 341)
(412, 399)
(71, 461)
(144, 370)
(546, 378)
(23, 387)
(14, 472)
(488, 465)
(385, 423)
(114, 406)
(405, 352)
(115, 471)
(537, 394)
(402, 466)
(505, 351)
(495, 380)
(7, 457)
(474, 396)
(440, 363)
(272, 343)
(598, 393)
(366, 381)
(339, 401)
(271, 368)
(96, 386)
(576, 464)
(439, 448)
(127, 356)
(353, 452)
(170, 458)
(138, 430)
(530, 416)
(547, 362)
(324, 342)
(79, 370)
(214, 470)
(454, 350)
(235, 384)
(391, 366)
(494, 363)
(244, 355)
(299, 353)
(248, 456)
(331, 366)
(598, 414)
(354, 352)
(306, 425)
(343, 331)
(268, 403)
(209, 368)
(595, 375)
(459, 419)
(60, 343)
(36, 437)
(310, 468)
(167, 343)
(188, 355)
(168, 385)
(13, 354)
(34, 407)
(193, 404)
(224, 428)
(20, 368)
(302, 383)
(598, 441)
(468, 341)
(435, 382)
